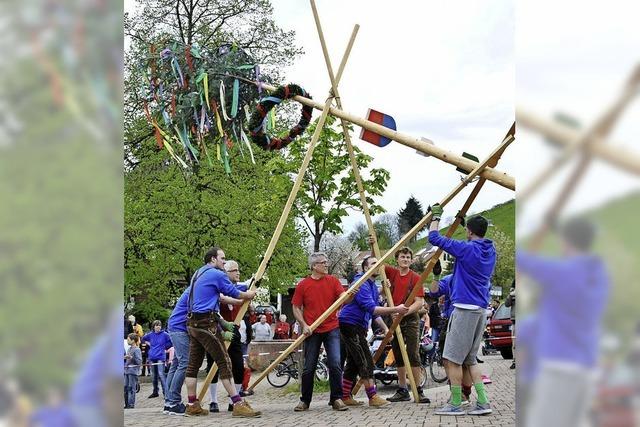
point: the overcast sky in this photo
(443, 71)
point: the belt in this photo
(200, 316)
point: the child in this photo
(133, 359)
(160, 344)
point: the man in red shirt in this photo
(402, 281)
(312, 297)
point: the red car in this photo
(499, 332)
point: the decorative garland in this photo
(258, 123)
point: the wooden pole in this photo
(363, 198)
(500, 178)
(354, 288)
(601, 127)
(566, 136)
(434, 258)
(285, 213)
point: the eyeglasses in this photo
(235, 270)
(322, 262)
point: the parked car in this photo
(261, 308)
(499, 331)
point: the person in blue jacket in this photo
(475, 262)
(160, 343)
(354, 321)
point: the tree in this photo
(409, 216)
(340, 252)
(172, 218)
(504, 272)
(329, 190)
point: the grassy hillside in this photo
(502, 217)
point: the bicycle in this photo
(288, 368)
(436, 365)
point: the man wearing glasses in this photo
(312, 297)
(229, 308)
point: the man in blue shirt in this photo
(573, 296)
(207, 332)
(354, 321)
(475, 261)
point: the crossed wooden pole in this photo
(492, 161)
(586, 145)
(363, 198)
(483, 169)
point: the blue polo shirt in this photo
(360, 311)
(208, 287)
(444, 288)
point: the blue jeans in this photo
(130, 385)
(331, 341)
(178, 369)
(157, 373)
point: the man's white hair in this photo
(315, 257)
(230, 265)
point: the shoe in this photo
(421, 397)
(213, 407)
(230, 407)
(152, 395)
(338, 405)
(194, 409)
(243, 409)
(479, 360)
(165, 410)
(402, 395)
(513, 365)
(179, 409)
(486, 379)
(481, 409)
(378, 402)
(449, 409)
(350, 401)
(246, 393)
(301, 407)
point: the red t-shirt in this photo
(282, 330)
(315, 296)
(400, 284)
(229, 311)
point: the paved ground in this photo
(277, 407)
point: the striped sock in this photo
(192, 399)
(347, 386)
(371, 391)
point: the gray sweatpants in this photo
(464, 335)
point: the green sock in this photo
(482, 396)
(456, 395)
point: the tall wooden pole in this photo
(285, 213)
(500, 178)
(601, 127)
(363, 198)
(403, 241)
(434, 258)
(566, 136)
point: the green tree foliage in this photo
(329, 189)
(409, 216)
(504, 272)
(386, 232)
(172, 218)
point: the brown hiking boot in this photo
(338, 405)
(350, 401)
(243, 409)
(301, 407)
(194, 410)
(378, 402)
